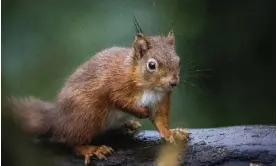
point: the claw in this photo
(87, 159)
(110, 151)
(89, 150)
(171, 140)
(101, 156)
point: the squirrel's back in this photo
(110, 61)
(106, 71)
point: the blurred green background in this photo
(44, 41)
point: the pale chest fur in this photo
(148, 98)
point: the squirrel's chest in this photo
(149, 98)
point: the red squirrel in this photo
(106, 91)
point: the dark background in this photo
(227, 49)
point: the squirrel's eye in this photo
(152, 65)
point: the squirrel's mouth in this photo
(163, 88)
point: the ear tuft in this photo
(141, 45)
(171, 38)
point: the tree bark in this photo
(237, 145)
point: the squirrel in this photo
(104, 92)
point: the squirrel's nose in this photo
(173, 83)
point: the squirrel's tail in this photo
(35, 115)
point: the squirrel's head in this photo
(157, 62)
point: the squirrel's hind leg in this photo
(91, 150)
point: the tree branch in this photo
(214, 146)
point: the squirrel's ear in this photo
(171, 38)
(141, 45)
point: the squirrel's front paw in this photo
(175, 135)
(131, 127)
(180, 134)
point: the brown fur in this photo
(114, 78)
(33, 114)
(161, 120)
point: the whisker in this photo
(197, 75)
(185, 82)
(190, 62)
(199, 70)
(193, 67)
